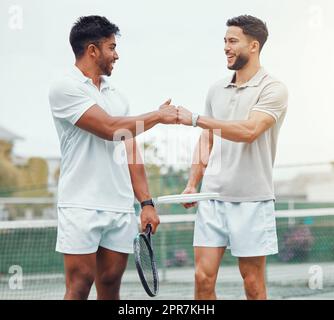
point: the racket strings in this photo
(147, 265)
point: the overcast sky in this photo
(170, 49)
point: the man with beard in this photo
(101, 168)
(236, 153)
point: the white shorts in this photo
(82, 231)
(247, 228)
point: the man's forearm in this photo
(139, 182)
(196, 175)
(137, 171)
(200, 158)
(98, 122)
(237, 131)
(122, 128)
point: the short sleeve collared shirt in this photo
(94, 172)
(240, 171)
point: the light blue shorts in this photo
(82, 231)
(247, 228)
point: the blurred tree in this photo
(33, 179)
(8, 172)
(24, 180)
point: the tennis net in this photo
(31, 269)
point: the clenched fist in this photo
(184, 116)
(168, 113)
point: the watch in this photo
(194, 118)
(147, 203)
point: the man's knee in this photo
(110, 279)
(254, 286)
(79, 280)
(204, 281)
(250, 281)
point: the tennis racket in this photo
(187, 198)
(145, 262)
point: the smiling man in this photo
(236, 153)
(96, 220)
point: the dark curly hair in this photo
(90, 29)
(251, 26)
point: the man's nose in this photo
(226, 48)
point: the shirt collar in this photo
(253, 82)
(105, 83)
(77, 74)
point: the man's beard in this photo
(104, 67)
(239, 63)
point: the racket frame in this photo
(146, 236)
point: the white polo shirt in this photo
(94, 173)
(242, 172)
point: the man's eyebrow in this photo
(231, 38)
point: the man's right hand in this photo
(168, 113)
(186, 191)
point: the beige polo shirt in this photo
(239, 171)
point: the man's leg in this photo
(252, 270)
(207, 261)
(110, 268)
(80, 274)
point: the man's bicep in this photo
(95, 120)
(262, 121)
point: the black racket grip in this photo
(148, 228)
(148, 231)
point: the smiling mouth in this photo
(230, 59)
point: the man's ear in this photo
(92, 50)
(255, 46)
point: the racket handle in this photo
(148, 232)
(148, 229)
